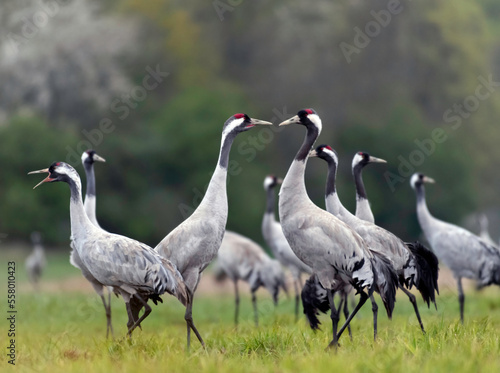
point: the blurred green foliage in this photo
(267, 58)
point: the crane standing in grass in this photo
(195, 242)
(414, 264)
(466, 254)
(240, 258)
(89, 205)
(275, 239)
(132, 268)
(337, 255)
(36, 262)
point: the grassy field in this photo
(64, 331)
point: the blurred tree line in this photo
(382, 74)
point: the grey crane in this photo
(337, 255)
(414, 264)
(36, 262)
(275, 239)
(132, 268)
(240, 258)
(195, 242)
(88, 159)
(363, 209)
(466, 254)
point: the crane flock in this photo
(340, 251)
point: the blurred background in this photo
(149, 84)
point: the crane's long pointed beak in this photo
(98, 158)
(376, 160)
(313, 153)
(295, 119)
(47, 179)
(279, 181)
(429, 180)
(259, 122)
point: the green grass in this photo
(66, 333)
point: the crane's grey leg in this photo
(147, 311)
(346, 311)
(135, 308)
(237, 302)
(108, 316)
(188, 316)
(255, 311)
(362, 300)
(375, 313)
(461, 298)
(297, 301)
(413, 301)
(107, 308)
(334, 315)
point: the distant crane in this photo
(414, 264)
(275, 239)
(130, 267)
(484, 233)
(36, 262)
(240, 258)
(195, 242)
(363, 209)
(466, 254)
(337, 255)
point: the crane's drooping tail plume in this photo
(386, 280)
(314, 299)
(427, 272)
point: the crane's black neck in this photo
(420, 191)
(271, 200)
(311, 136)
(225, 149)
(89, 171)
(358, 180)
(331, 177)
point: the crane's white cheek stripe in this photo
(331, 154)
(357, 158)
(316, 120)
(267, 182)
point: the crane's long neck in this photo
(90, 193)
(80, 222)
(358, 180)
(216, 194)
(269, 217)
(332, 200)
(294, 187)
(270, 201)
(424, 216)
(363, 208)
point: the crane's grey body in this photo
(129, 266)
(336, 254)
(275, 239)
(243, 259)
(36, 261)
(324, 243)
(195, 242)
(466, 254)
